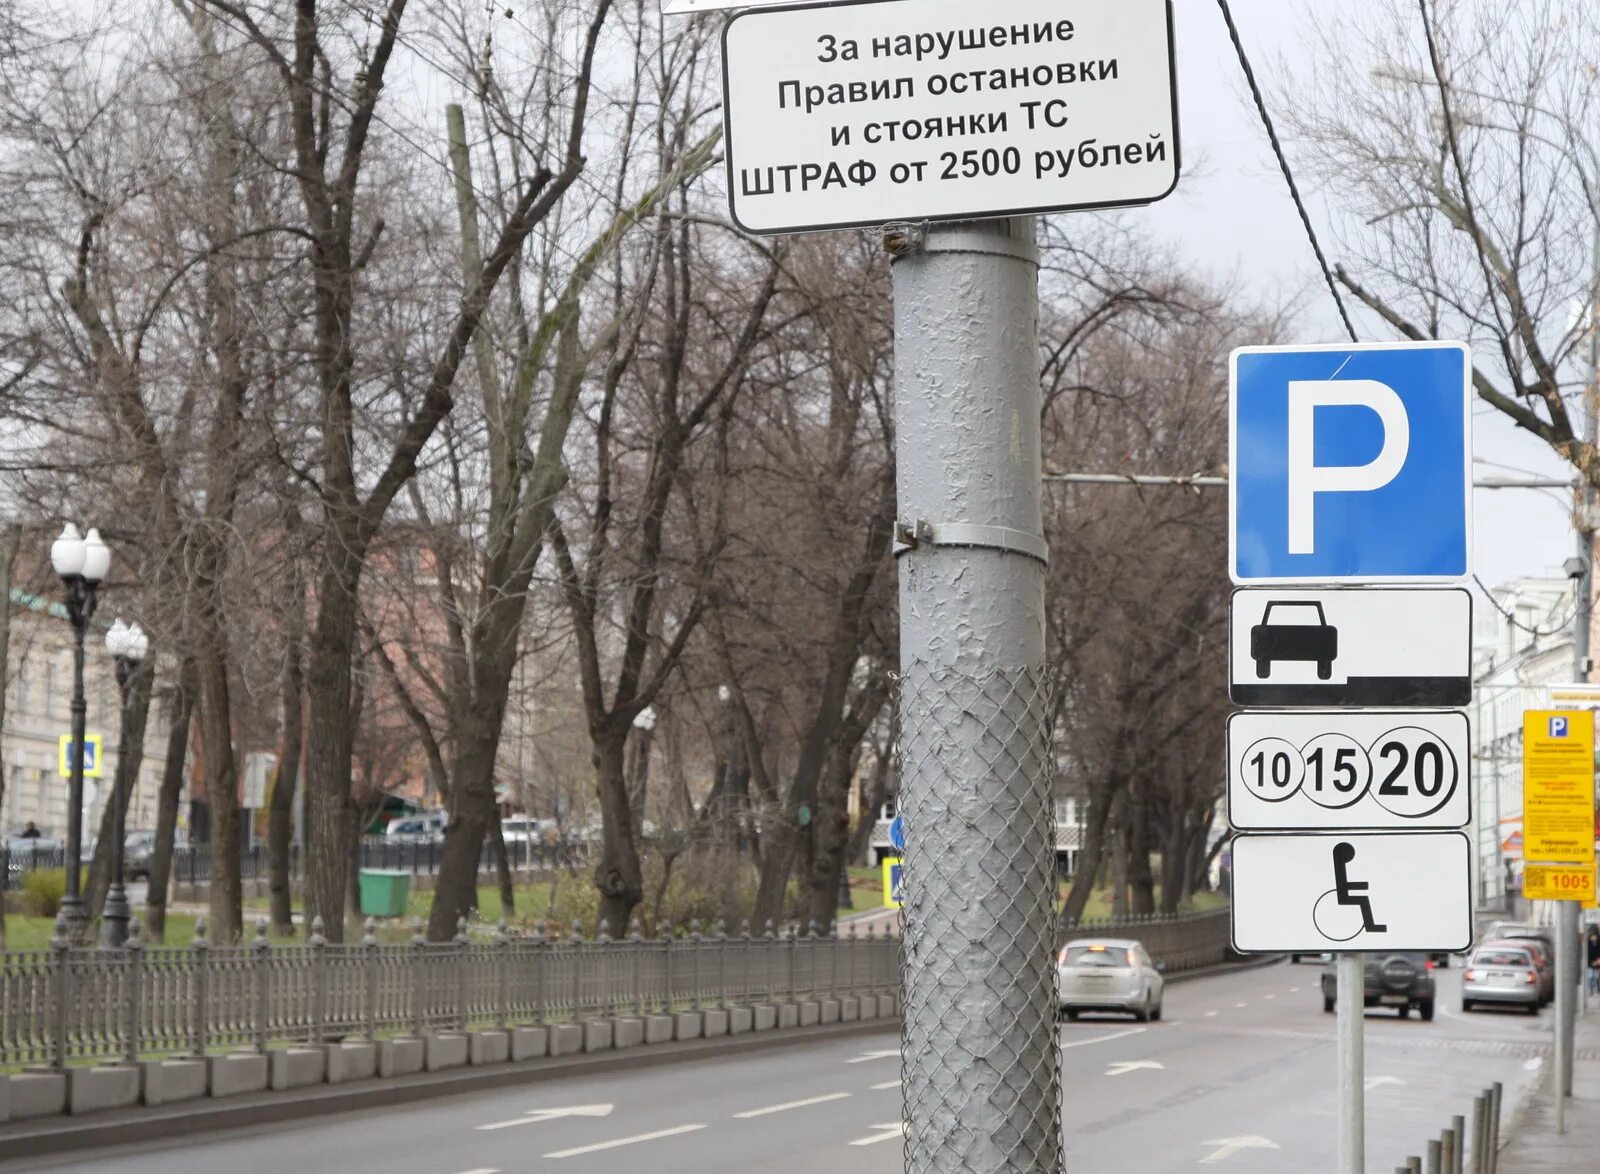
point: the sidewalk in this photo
(1534, 1147)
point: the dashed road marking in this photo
(622, 1141)
(886, 1084)
(787, 1105)
(890, 1132)
(1209, 1014)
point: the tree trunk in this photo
(172, 774)
(830, 834)
(226, 914)
(280, 814)
(1174, 862)
(619, 876)
(502, 864)
(1119, 868)
(331, 738)
(8, 556)
(1091, 853)
(1141, 877)
(130, 757)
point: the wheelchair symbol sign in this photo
(893, 872)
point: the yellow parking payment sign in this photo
(1558, 786)
(893, 872)
(1558, 882)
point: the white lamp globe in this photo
(117, 638)
(66, 552)
(138, 643)
(96, 557)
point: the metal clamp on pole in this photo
(908, 536)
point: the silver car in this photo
(1501, 972)
(1108, 974)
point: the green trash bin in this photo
(384, 892)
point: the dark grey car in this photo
(1403, 981)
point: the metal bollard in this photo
(1480, 1132)
(1492, 1156)
(1447, 1149)
(1413, 1165)
(1458, 1144)
(1435, 1162)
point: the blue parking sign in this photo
(1350, 463)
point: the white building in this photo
(1521, 648)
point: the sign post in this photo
(1350, 466)
(950, 132)
(1558, 828)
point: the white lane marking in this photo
(1100, 1039)
(886, 1084)
(534, 1116)
(1209, 1014)
(1294, 990)
(890, 1132)
(786, 1106)
(621, 1141)
(1238, 1005)
(1232, 1145)
(1534, 1064)
(483, 1170)
(865, 1056)
(1373, 1082)
(1123, 1067)
(1272, 996)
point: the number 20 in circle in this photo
(1414, 774)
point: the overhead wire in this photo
(1283, 165)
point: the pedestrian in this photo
(1592, 952)
(31, 832)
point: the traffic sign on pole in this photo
(894, 871)
(1352, 891)
(93, 768)
(1351, 646)
(1367, 769)
(1558, 786)
(1558, 882)
(1350, 463)
(857, 114)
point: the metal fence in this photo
(191, 864)
(1184, 941)
(69, 1003)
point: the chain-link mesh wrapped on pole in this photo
(980, 1066)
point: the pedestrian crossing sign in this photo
(91, 757)
(893, 871)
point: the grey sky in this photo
(1232, 215)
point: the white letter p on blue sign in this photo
(1350, 463)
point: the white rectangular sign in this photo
(857, 114)
(1349, 891)
(1358, 646)
(690, 7)
(1301, 771)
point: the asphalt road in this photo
(1239, 1076)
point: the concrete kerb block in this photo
(740, 1020)
(810, 1013)
(715, 1023)
(686, 1025)
(297, 1067)
(401, 1057)
(238, 1073)
(5, 1099)
(529, 1043)
(37, 1094)
(868, 1005)
(168, 1081)
(93, 1090)
(597, 1035)
(566, 1039)
(789, 1015)
(849, 1009)
(887, 1007)
(627, 1033)
(488, 1047)
(657, 1029)
(347, 1062)
(830, 1011)
(445, 1050)
(764, 1017)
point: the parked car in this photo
(1318, 956)
(137, 849)
(416, 829)
(1544, 965)
(1505, 931)
(524, 829)
(1502, 973)
(1403, 981)
(1108, 974)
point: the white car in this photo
(416, 829)
(1108, 974)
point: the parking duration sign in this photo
(845, 115)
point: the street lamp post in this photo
(82, 562)
(128, 645)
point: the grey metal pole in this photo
(1480, 1133)
(80, 609)
(1349, 975)
(979, 1059)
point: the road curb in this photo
(1228, 967)
(61, 1137)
